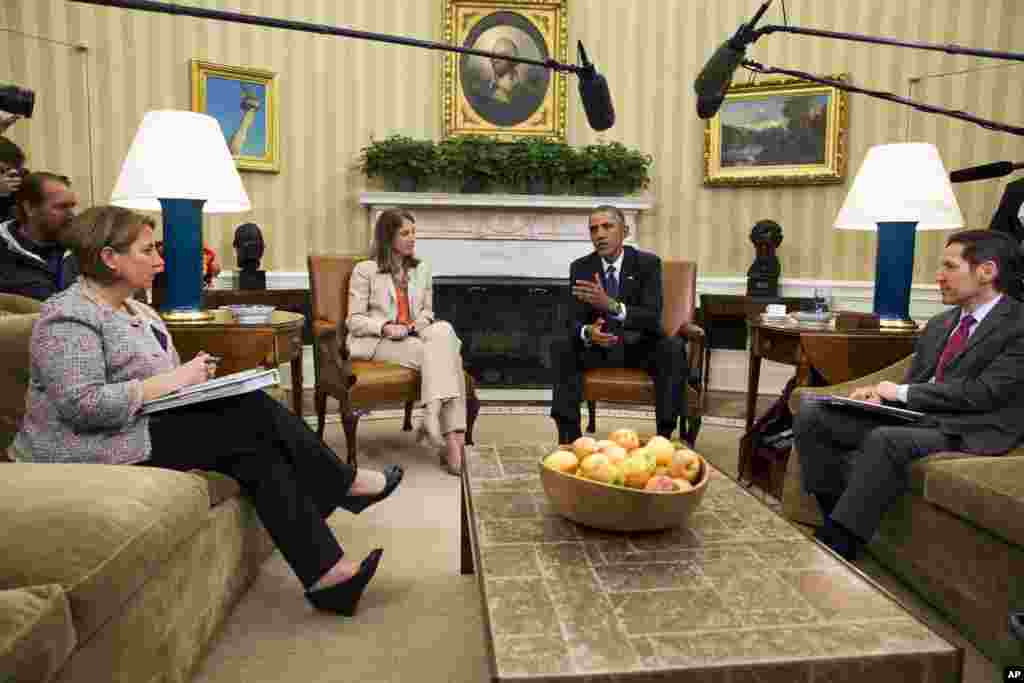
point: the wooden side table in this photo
(717, 310)
(242, 347)
(839, 356)
(293, 300)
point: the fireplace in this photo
(501, 266)
(506, 326)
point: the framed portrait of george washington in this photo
(782, 131)
(492, 96)
(244, 102)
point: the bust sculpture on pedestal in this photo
(249, 248)
(763, 276)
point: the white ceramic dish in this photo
(812, 316)
(247, 314)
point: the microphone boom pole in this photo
(881, 94)
(201, 13)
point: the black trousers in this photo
(862, 459)
(664, 359)
(294, 480)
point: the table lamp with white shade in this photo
(179, 163)
(899, 189)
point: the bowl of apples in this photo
(617, 484)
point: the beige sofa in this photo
(957, 537)
(112, 573)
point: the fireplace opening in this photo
(506, 326)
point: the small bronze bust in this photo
(763, 276)
(249, 248)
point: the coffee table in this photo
(738, 595)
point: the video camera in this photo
(15, 100)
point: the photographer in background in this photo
(12, 171)
(34, 260)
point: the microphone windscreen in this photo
(717, 73)
(597, 101)
(994, 170)
(708, 105)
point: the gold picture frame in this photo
(244, 102)
(524, 100)
(782, 131)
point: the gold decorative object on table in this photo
(617, 485)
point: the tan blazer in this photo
(372, 303)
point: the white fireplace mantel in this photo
(510, 235)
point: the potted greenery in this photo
(472, 162)
(539, 163)
(612, 168)
(402, 162)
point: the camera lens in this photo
(15, 100)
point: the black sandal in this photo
(392, 478)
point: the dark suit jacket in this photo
(639, 290)
(1005, 217)
(982, 395)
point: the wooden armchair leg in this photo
(350, 421)
(472, 407)
(407, 423)
(592, 422)
(321, 413)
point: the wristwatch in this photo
(615, 307)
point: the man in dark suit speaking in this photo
(615, 321)
(967, 376)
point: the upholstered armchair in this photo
(358, 385)
(633, 385)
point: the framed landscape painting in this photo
(778, 132)
(244, 102)
(492, 96)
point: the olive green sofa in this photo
(956, 537)
(111, 573)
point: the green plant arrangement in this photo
(402, 162)
(473, 163)
(479, 163)
(612, 169)
(539, 164)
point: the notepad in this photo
(221, 387)
(877, 408)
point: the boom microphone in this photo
(597, 99)
(996, 169)
(716, 76)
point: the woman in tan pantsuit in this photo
(391, 318)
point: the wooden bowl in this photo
(614, 508)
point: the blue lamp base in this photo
(183, 259)
(894, 274)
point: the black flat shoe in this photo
(343, 597)
(392, 477)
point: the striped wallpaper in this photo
(96, 71)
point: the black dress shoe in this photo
(343, 597)
(392, 477)
(844, 542)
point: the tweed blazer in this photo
(981, 397)
(373, 302)
(85, 380)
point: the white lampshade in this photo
(180, 155)
(901, 183)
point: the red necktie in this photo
(954, 345)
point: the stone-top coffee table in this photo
(739, 595)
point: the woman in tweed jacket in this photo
(97, 355)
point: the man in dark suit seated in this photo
(967, 376)
(615, 321)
